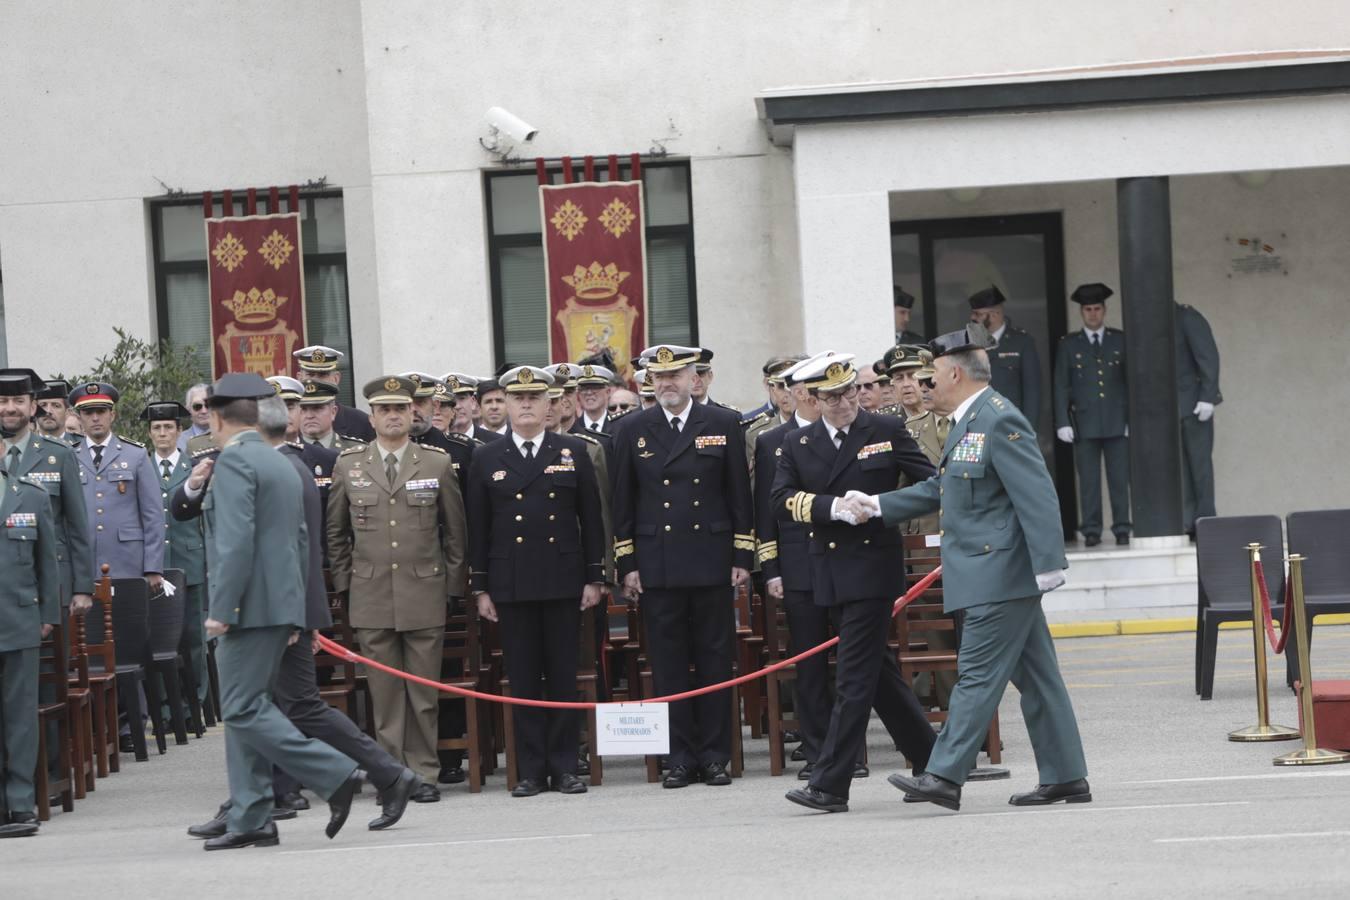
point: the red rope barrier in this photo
(342, 652)
(1276, 644)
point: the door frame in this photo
(1050, 226)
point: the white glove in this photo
(839, 513)
(869, 502)
(1203, 411)
(1065, 434)
(1048, 581)
(1127, 431)
(167, 586)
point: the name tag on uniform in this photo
(970, 448)
(423, 484)
(710, 440)
(21, 520)
(322, 481)
(874, 449)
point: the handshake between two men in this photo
(855, 508)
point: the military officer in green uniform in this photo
(904, 308)
(1002, 548)
(30, 604)
(1092, 413)
(1197, 395)
(1013, 359)
(257, 556)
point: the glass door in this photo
(1024, 257)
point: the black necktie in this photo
(529, 449)
(1096, 340)
(839, 438)
(98, 455)
(675, 425)
(594, 427)
(166, 468)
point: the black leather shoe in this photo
(798, 755)
(231, 840)
(283, 813)
(426, 793)
(806, 771)
(814, 798)
(529, 787)
(929, 787)
(1091, 540)
(567, 783)
(678, 777)
(340, 804)
(125, 744)
(215, 827)
(292, 800)
(583, 764)
(792, 737)
(1122, 540)
(861, 771)
(451, 775)
(395, 800)
(1045, 794)
(716, 774)
(18, 829)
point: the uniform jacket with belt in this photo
(30, 592)
(683, 516)
(537, 526)
(1091, 393)
(848, 562)
(398, 549)
(125, 509)
(52, 463)
(999, 509)
(257, 543)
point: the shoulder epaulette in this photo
(127, 440)
(360, 448)
(348, 437)
(460, 437)
(758, 417)
(296, 445)
(203, 451)
(434, 448)
(590, 439)
(620, 414)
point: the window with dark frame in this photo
(179, 240)
(516, 257)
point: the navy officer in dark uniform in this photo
(682, 543)
(857, 569)
(536, 562)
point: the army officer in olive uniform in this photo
(537, 562)
(30, 603)
(1092, 413)
(682, 543)
(1013, 359)
(396, 541)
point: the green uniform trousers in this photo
(1002, 642)
(19, 728)
(1087, 456)
(259, 736)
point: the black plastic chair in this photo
(1323, 537)
(1224, 587)
(131, 625)
(166, 632)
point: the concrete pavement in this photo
(1178, 811)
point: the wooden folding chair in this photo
(749, 653)
(80, 700)
(100, 648)
(52, 672)
(776, 644)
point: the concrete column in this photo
(1144, 219)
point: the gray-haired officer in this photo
(319, 363)
(50, 461)
(184, 544)
(1015, 362)
(30, 605)
(121, 492)
(1092, 413)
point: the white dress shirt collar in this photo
(537, 441)
(682, 416)
(1100, 334)
(172, 458)
(831, 430)
(965, 406)
(998, 335)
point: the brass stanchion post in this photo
(1262, 730)
(1311, 754)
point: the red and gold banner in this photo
(595, 259)
(257, 290)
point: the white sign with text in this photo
(632, 729)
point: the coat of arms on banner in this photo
(257, 293)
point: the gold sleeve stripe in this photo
(745, 537)
(767, 551)
(799, 506)
(622, 550)
(623, 543)
(742, 544)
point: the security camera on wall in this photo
(511, 125)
